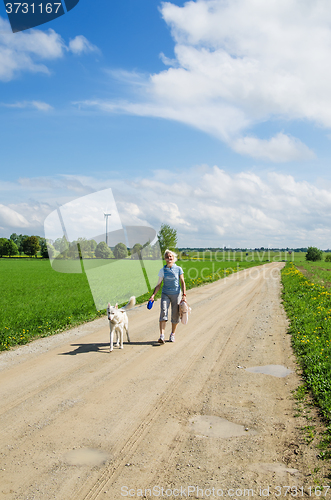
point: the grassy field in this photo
(198, 272)
(319, 272)
(37, 301)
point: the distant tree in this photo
(156, 251)
(313, 254)
(31, 246)
(19, 244)
(167, 237)
(120, 251)
(136, 251)
(15, 238)
(83, 247)
(72, 252)
(43, 247)
(93, 246)
(103, 251)
(10, 248)
(3, 242)
(328, 258)
(61, 244)
(46, 249)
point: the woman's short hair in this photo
(170, 252)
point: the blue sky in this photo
(211, 116)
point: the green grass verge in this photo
(308, 306)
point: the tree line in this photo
(18, 244)
(83, 248)
(63, 249)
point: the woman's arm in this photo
(156, 289)
(182, 282)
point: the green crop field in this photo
(38, 301)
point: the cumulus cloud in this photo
(27, 202)
(241, 210)
(237, 64)
(28, 51)
(24, 51)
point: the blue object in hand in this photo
(150, 304)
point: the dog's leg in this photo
(117, 338)
(121, 335)
(126, 327)
(111, 339)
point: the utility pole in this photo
(107, 215)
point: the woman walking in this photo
(172, 277)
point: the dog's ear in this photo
(116, 306)
(108, 305)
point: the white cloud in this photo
(25, 51)
(39, 105)
(207, 205)
(167, 61)
(241, 209)
(80, 45)
(263, 57)
(280, 148)
(239, 63)
(11, 218)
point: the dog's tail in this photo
(130, 304)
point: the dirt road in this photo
(80, 423)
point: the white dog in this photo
(118, 322)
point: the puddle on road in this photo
(86, 456)
(212, 426)
(274, 370)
